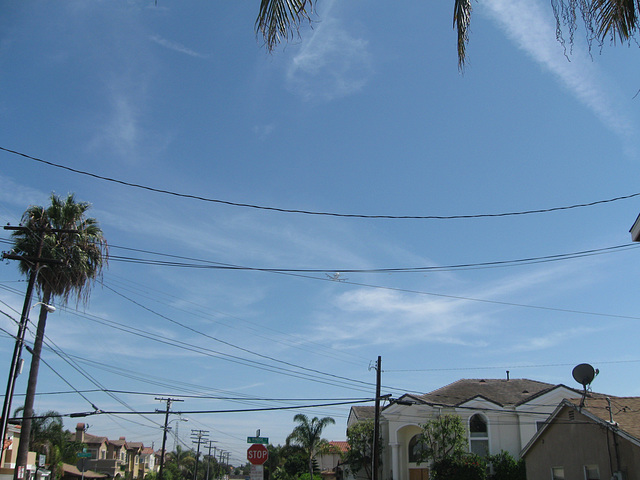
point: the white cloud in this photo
(532, 29)
(176, 47)
(401, 319)
(331, 62)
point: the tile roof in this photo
(340, 445)
(501, 391)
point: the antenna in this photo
(584, 375)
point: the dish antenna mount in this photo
(584, 375)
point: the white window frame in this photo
(554, 471)
(483, 439)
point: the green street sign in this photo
(263, 440)
(84, 454)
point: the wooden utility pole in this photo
(376, 424)
(164, 435)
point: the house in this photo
(9, 454)
(330, 460)
(147, 461)
(499, 414)
(114, 458)
(599, 440)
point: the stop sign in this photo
(257, 454)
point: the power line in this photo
(208, 264)
(320, 213)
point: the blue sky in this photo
(364, 114)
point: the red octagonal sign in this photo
(257, 454)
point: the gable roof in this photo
(624, 411)
(500, 391)
(363, 413)
(93, 439)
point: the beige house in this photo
(8, 457)
(114, 458)
(600, 440)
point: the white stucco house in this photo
(499, 415)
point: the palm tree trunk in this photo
(27, 413)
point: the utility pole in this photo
(220, 461)
(199, 437)
(376, 424)
(35, 263)
(211, 442)
(164, 434)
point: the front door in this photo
(418, 474)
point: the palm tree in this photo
(183, 460)
(279, 20)
(75, 240)
(308, 435)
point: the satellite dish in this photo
(584, 374)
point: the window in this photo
(591, 472)
(478, 435)
(557, 473)
(416, 449)
(103, 454)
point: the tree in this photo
(181, 461)
(505, 467)
(82, 252)
(443, 437)
(445, 445)
(279, 20)
(308, 435)
(359, 456)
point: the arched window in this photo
(416, 449)
(478, 435)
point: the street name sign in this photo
(84, 454)
(257, 454)
(263, 440)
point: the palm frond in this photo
(461, 20)
(279, 20)
(616, 18)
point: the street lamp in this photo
(175, 434)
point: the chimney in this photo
(507, 375)
(80, 428)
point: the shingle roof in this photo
(92, 439)
(362, 413)
(72, 470)
(625, 412)
(500, 391)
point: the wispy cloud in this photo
(176, 47)
(401, 319)
(532, 28)
(331, 62)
